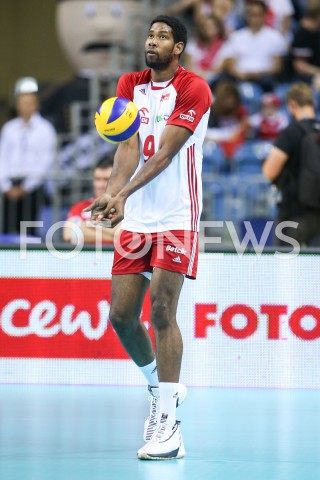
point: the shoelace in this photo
(153, 420)
(164, 426)
(161, 430)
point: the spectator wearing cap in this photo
(268, 123)
(27, 155)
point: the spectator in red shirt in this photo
(101, 174)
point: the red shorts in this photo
(175, 250)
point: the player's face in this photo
(159, 47)
(100, 180)
(88, 31)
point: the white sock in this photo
(168, 400)
(151, 373)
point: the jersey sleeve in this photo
(125, 86)
(74, 212)
(193, 101)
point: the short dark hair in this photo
(179, 31)
(258, 3)
(104, 162)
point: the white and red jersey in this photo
(172, 200)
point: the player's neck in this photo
(164, 75)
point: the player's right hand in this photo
(97, 207)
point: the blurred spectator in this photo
(300, 7)
(27, 155)
(225, 10)
(196, 7)
(101, 174)
(306, 45)
(268, 123)
(254, 53)
(202, 52)
(228, 120)
(279, 16)
(283, 167)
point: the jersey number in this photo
(148, 147)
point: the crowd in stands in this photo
(249, 52)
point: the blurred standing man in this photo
(155, 186)
(27, 153)
(283, 167)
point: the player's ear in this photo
(179, 48)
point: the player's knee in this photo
(160, 314)
(121, 321)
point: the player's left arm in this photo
(171, 141)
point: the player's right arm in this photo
(125, 162)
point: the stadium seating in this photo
(250, 94)
(281, 91)
(213, 158)
(249, 157)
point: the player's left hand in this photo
(97, 207)
(115, 210)
(106, 210)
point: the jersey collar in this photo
(162, 85)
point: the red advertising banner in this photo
(59, 318)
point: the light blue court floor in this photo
(93, 433)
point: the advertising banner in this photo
(247, 321)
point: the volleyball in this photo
(117, 119)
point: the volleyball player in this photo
(155, 188)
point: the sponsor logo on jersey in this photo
(143, 117)
(189, 116)
(171, 248)
(159, 118)
(143, 91)
(165, 96)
